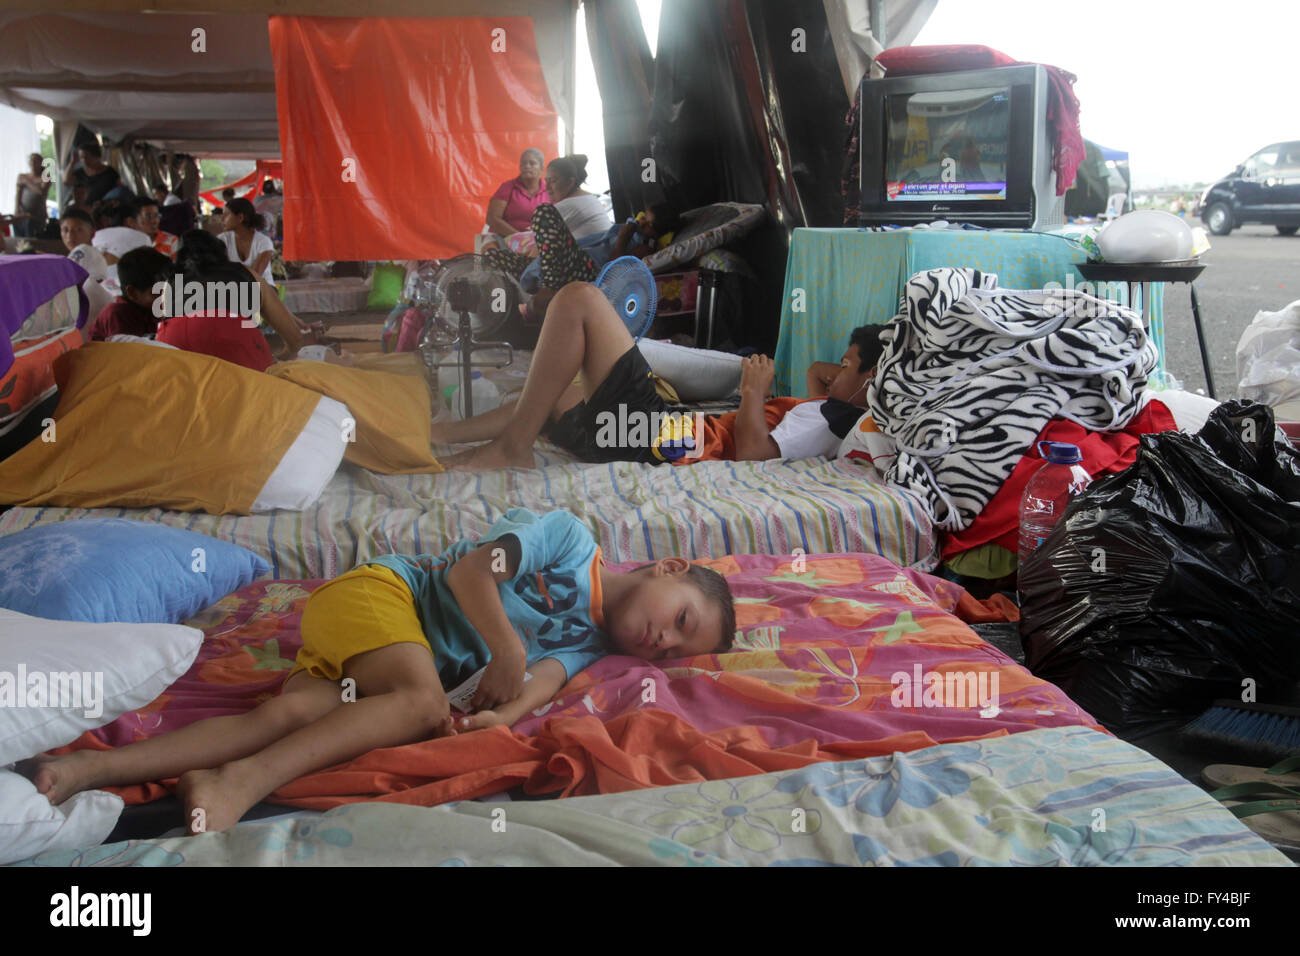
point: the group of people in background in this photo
(131, 245)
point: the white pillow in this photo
(310, 462)
(1190, 411)
(698, 375)
(129, 666)
(29, 825)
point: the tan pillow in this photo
(392, 413)
(139, 426)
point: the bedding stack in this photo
(90, 630)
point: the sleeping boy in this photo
(529, 607)
(582, 333)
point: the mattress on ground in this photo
(1028, 799)
(346, 294)
(637, 512)
(813, 678)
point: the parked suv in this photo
(1265, 188)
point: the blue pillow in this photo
(112, 569)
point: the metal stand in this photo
(706, 303)
(1140, 276)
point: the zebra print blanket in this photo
(971, 373)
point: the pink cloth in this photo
(520, 205)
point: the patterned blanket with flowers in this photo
(1061, 796)
(837, 656)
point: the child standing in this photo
(534, 598)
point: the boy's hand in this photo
(756, 374)
(503, 680)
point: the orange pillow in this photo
(140, 426)
(392, 413)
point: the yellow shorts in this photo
(363, 610)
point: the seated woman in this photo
(650, 231)
(198, 322)
(510, 210)
(244, 240)
(560, 228)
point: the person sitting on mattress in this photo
(527, 608)
(138, 272)
(77, 229)
(214, 325)
(605, 419)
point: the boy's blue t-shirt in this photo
(553, 600)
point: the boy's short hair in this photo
(714, 587)
(76, 212)
(870, 348)
(143, 268)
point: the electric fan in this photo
(472, 298)
(629, 285)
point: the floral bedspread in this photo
(1058, 796)
(830, 648)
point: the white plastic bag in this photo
(1268, 362)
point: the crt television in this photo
(973, 146)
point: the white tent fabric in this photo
(140, 75)
(18, 133)
(851, 35)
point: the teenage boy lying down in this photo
(582, 333)
(530, 605)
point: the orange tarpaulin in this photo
(396, 131)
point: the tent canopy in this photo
(1113, 155)
(129, 74)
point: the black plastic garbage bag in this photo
(1167, 585)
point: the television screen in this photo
(949, 145)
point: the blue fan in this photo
(630, 287)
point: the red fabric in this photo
(121, 317)
(218, 334)
(1062, 105)
(427, 116)
(247, 187)
(1104, 453)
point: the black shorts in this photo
(595, 429)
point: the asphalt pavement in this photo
(1251, 269)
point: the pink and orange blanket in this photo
(832, 658)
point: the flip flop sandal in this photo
(1286, 773)
(1277, 819)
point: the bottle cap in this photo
(1060, 452)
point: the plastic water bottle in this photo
(485, 396)
(1048, 492)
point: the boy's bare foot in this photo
(494, 455)
(220, 795)
(459, 458)
(60, 777)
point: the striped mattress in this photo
(637, 512)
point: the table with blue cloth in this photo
(839, 279)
